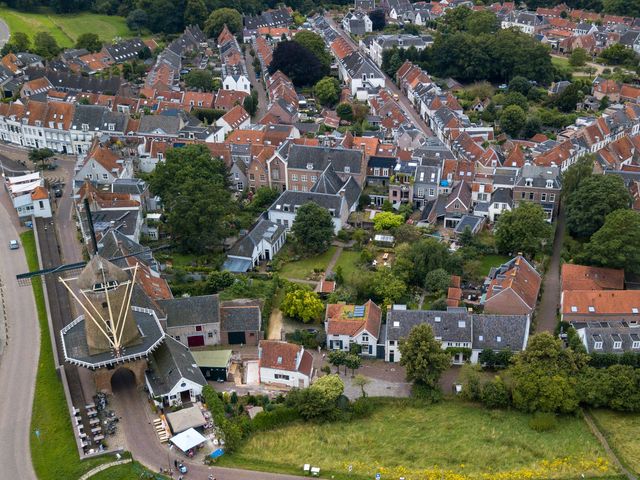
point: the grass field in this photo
(348, 260)
(622, 431)
(54, 454)
(450, 440)
(305, 267)
(489, 261)
(65, 28)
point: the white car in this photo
(14, 245)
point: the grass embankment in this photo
(54, 454)
(622, 431)
(303, 268)
(450, 440)
(65, 28)
(128, 471)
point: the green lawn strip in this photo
(348, 260)
(301, 269)
(65, 28)
(54, 454)
(450, 436)
(622, 431)
(127, 471)
(489, 261)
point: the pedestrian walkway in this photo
(104, 466)
(334, 260)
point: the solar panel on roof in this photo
(358, 311)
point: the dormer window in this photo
(617, 345)
(635, 344)
(528, 182)
(499, 339)
(592, 309)
(549, 183)
(437, 319)
(462, 324)
(85, 127)
(347, 169)
(112, 127)
(597, 345)
(309, 166)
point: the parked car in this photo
(182, 468)
(57, 192)
(14, 245)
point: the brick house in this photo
(512, 288)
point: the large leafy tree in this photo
(312, 228)
(387, 221)
(18, 42)
(194, 190)
(45, 45)
(91, 41)
(617, 243)
(302, 304)
(594, 199)
(415, 260)
(423, 357)
(378, 20)
(512, 120)
(315, 44)
(438, 280)
(544, 376)
(195, 13)
(297, 62)
(573, 176)
(523, 229)
(327, 91)
(200, 79)
(221, 17)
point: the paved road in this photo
(263, 101)
(19, 359)
(389, 83)
(145, 447)
(4, 32)
(546, 319)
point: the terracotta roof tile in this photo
(582, 277)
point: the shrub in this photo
(275, 418)
(543, 422)
(362, 408)
(495, 394)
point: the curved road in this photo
(19, 359)
(4, 32)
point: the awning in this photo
(188, 439)
(186, 419)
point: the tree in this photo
(250, 103)
(481, 22)
(353, 362)
(315, 44)
(230, 17)
(544, 376)
(218, 281)
(195, 13)
(618, 54)
(604, 103)
(573, 176)
(387, 221)
(298, 63)
(438, 280)
(329, 386)
(263, 198)
(194, 190)
(523, 229)
(319, 400)
(378, 20)
(406, 233)
(361, 381)
(45, 45)
(595, 198)
(89, 41)
(302, 304)
(312, 228)
(578, 57)
(327, 91)
(137, 20)
(512, 120)
(423, 357)
(18, 42)
(387, 288)
(415, 260)
(41, 155)
(337, 358)
(495, 394)
(532, 126)
(345, 111)
(617, 243)
(199, 79)
(567, 100)
(520, 85)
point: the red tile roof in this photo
(582, 277)
(340, 320)
(601, 302)
(279, 355)
(39, 193)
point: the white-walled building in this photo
(282, 363)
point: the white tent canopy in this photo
(24, 187)
(29, 177)
(188, 439)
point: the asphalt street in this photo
(4, 32)
(19, 359)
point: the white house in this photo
(173, 378)
(360, 73)
(103, 166)
(235, 119)
(261, 243)
(28, 195)
(357, 23)
(236, 80)
(283, 363)
(466, 334)
(347, 325)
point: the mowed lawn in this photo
(127, 471)
(65, 28)
(301, 269)
(348, 261)
(623, 433)
(450, 440)
(489, 261)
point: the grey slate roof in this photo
(170, 124)
(191, 310)
(241, 315)
(539, 175)
(67, 81)
(125, 50)
(97, 117)
(502, 195)
(170, 364)
(115, 244)
(500, 332)
(264, 229)
(328, 182)
(294, 199)
(300, 156)
(470, 221)
(608, 333)
(357, 65)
